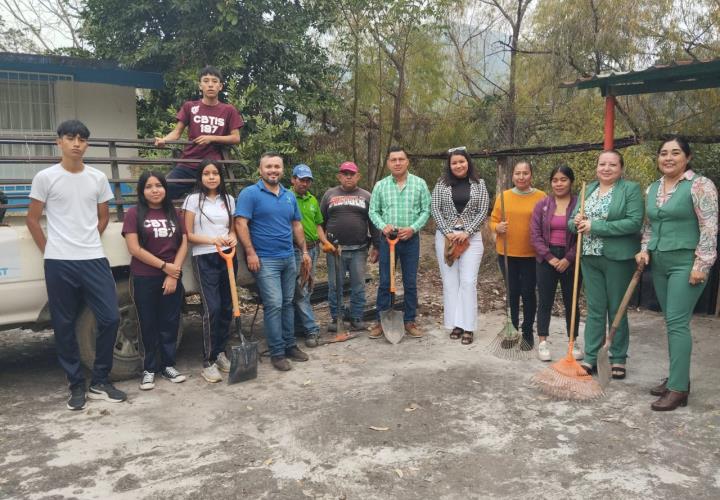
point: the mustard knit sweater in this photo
(518, 212)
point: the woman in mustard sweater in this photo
(519, 204)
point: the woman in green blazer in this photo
(679, 240)
(611, 238)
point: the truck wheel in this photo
(127, 362)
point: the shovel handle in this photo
(576, 278)
(391, 243)
(625, 301)
(231, 277)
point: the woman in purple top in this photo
(555, 254)
(155, 237)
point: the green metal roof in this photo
(678, 75)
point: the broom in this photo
(508, 343)
(566, 378)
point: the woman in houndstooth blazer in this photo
(460, 206)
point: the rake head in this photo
(567, 380)
(509, 344)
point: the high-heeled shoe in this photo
(659, 390)
(670, 401)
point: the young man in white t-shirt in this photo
(75, 198)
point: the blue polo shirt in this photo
(270, 219)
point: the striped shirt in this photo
(406, 207)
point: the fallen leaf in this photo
(375, 428)
(268, 461)
(399, 473)
(475, 381)
(307, 382)
(412, 407)
(250, 408)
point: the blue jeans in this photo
(304, 316)
(276, 282)
(353, 262)
(177, 191)
(408, 252)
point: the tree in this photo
(46, 25)
(272, 44)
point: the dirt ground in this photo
(427, 418)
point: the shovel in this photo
(603, 356)
(392, 320)
(243, 357)
(341, 334)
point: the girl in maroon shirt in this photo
(155, 237)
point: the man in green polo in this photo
(301, 180)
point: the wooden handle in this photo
(231, 276)
(392, 243)
(625, 301)
(578, 253)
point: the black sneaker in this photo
(77, 398)
(106, 392)
(312, 340)
(332, 326)
(296, 354)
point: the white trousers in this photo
(460, 283)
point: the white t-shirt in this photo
(213, 221)
(71, 201)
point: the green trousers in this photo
(605, 282)
(671, 272)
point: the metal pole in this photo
(609, 136)
(115, 172)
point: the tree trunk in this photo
(355, 98)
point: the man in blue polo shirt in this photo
(266, 219)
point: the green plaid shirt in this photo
(406, 207)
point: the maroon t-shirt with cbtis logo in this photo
(201, 119)
(161, 238)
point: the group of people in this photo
(674, 229)
(280, 232)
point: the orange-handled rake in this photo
(244, 357)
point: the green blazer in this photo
(621, 230)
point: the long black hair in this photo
(449, 178)
(143, 207)
(203, 191)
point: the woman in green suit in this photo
(679, 239)
(611, 238)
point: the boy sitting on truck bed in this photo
(210, 123)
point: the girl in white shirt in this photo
(209, 223)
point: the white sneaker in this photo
(544, 351)
(171, 374)
(578, 352)
(211, 374)
(223, 363)
(148, 381)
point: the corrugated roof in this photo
(674, 76)
(82, 70)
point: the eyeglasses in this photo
(454, 150)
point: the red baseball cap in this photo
(348, 166)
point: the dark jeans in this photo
(177, 191)
(71, 284)
(521, 274)
(353, 262)
(211, 272)
(159, 318)
(408, 253)
(547, 282)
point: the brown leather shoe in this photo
(670, 400)
(659, 390)
(413, 331)
(376, 331)
(296, 354)
(280, 363)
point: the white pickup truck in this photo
(23, 297)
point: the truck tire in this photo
(127, 362)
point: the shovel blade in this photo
(243, 362)
(603, 365)
(393, 325)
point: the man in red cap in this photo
(345, 209)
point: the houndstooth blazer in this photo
(444, 211)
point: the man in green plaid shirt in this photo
(400, 201)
